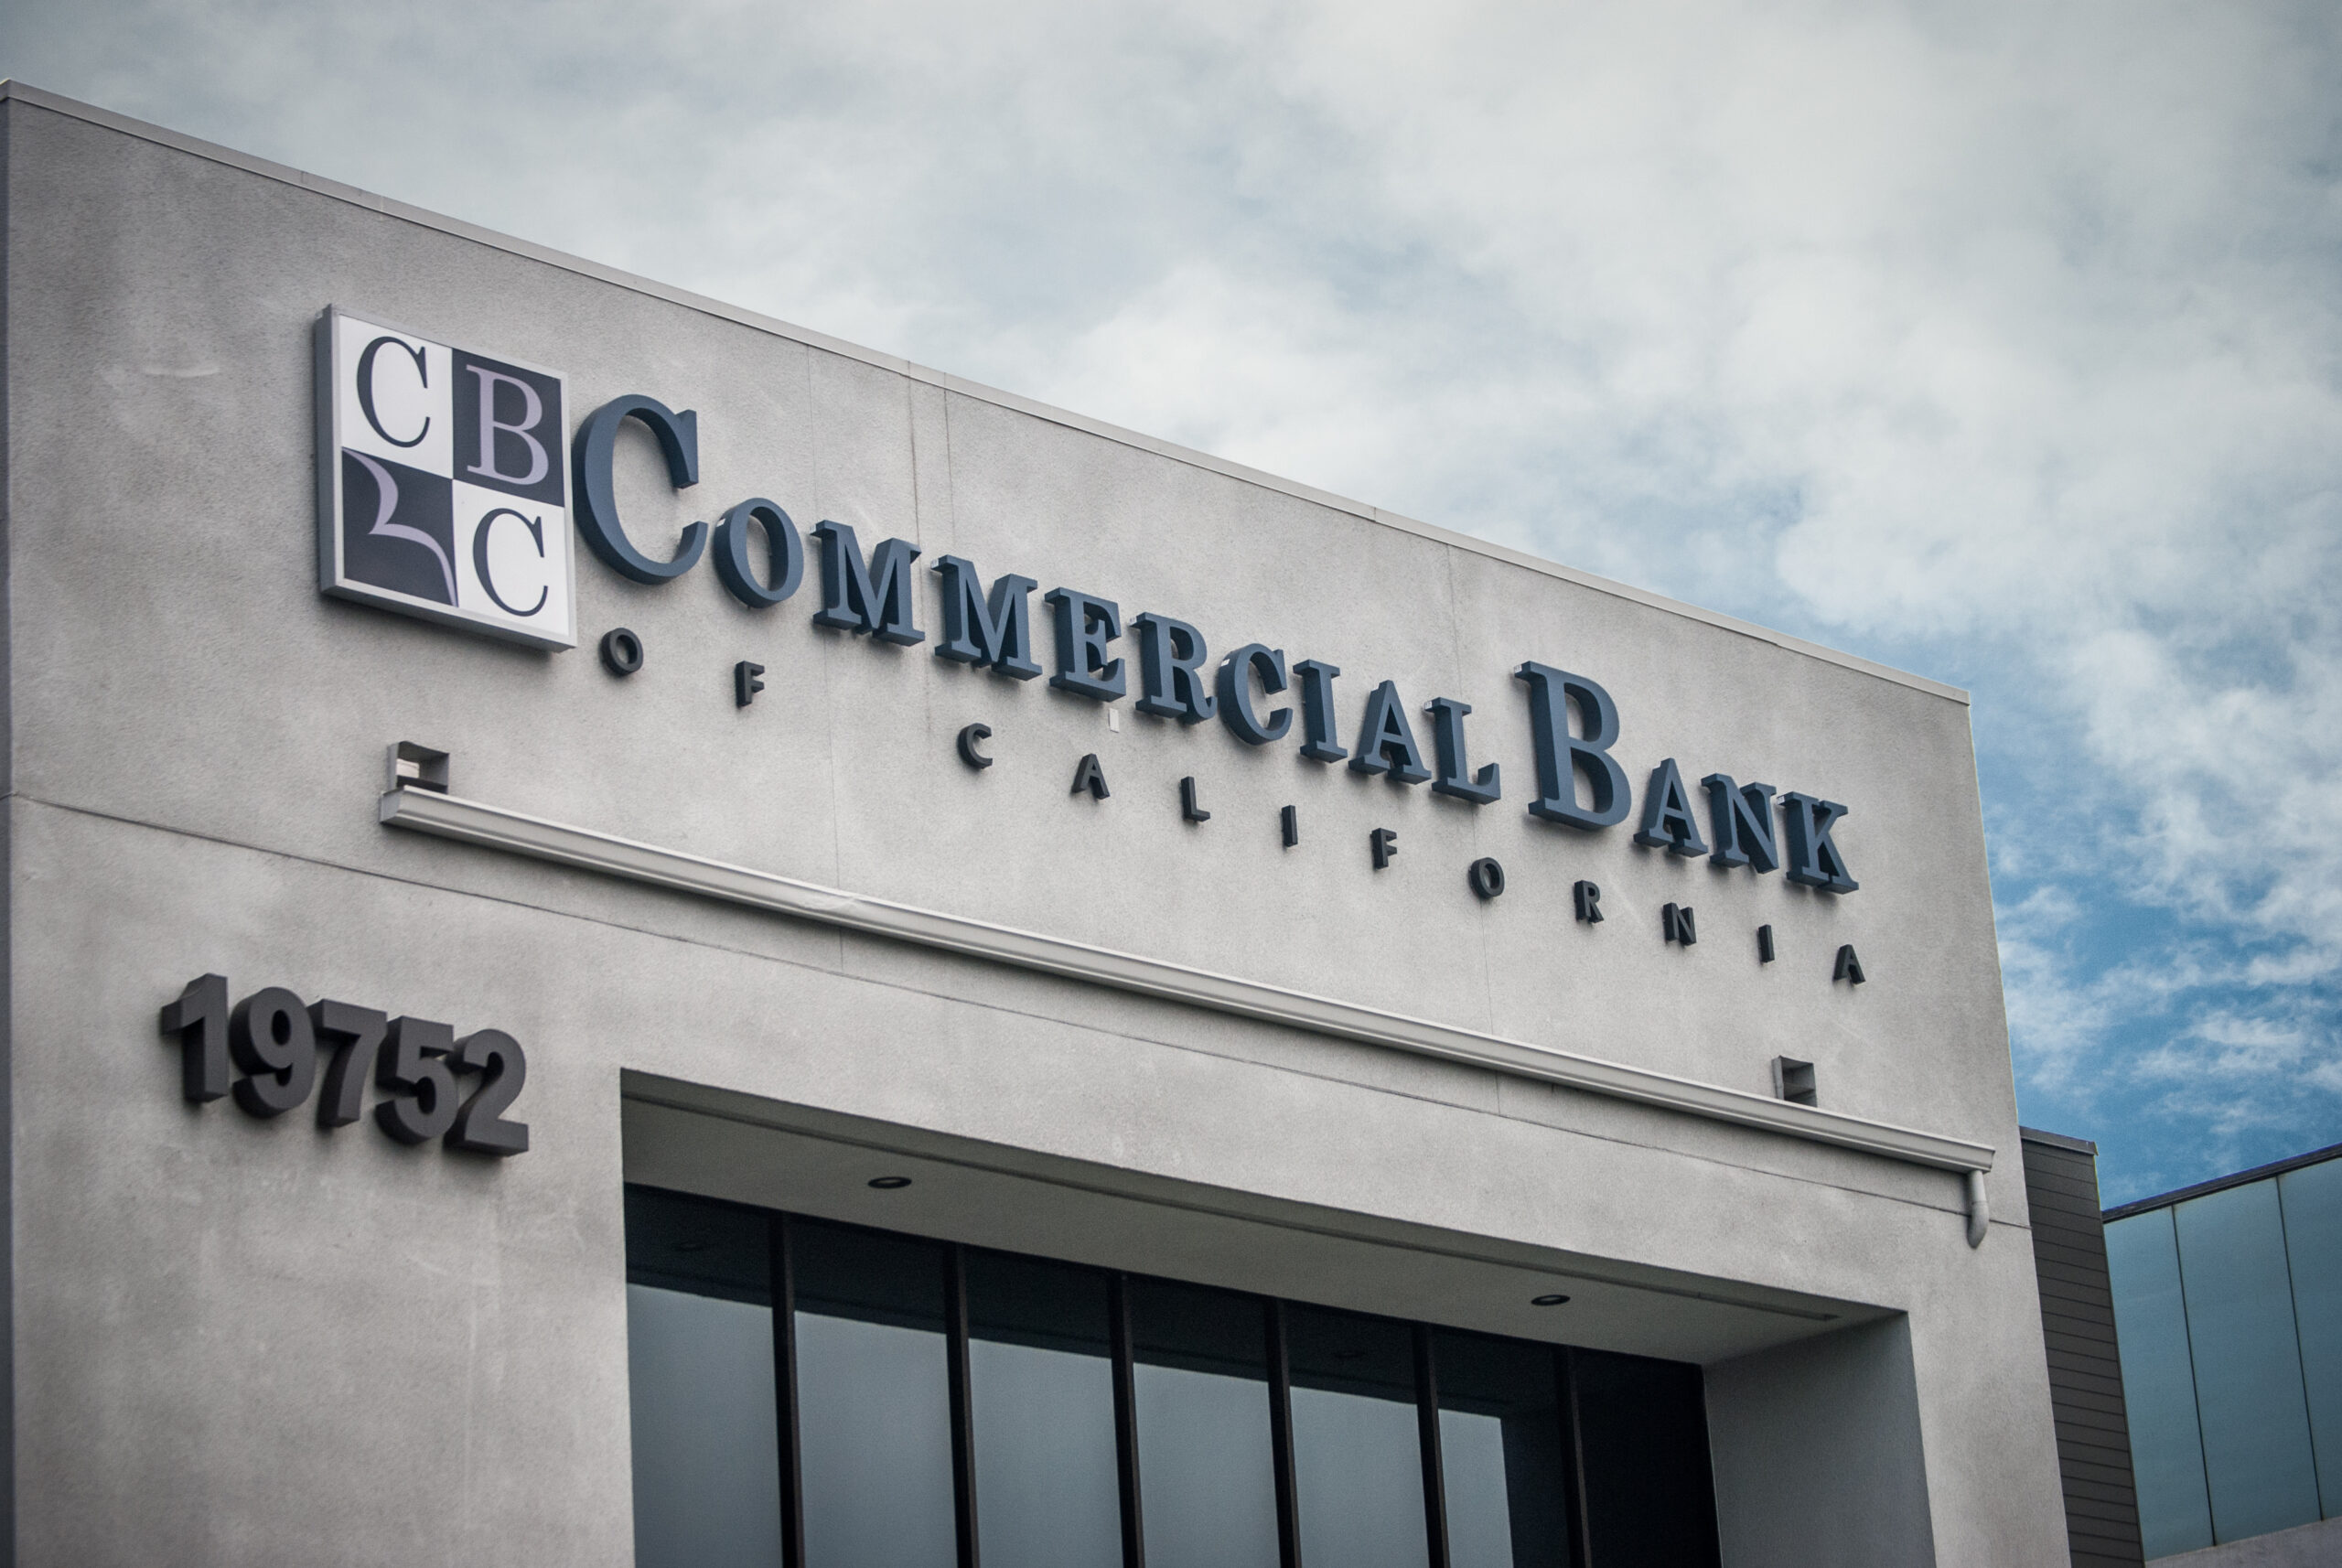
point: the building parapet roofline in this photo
(40, 98)
(2058, 1141)
(2221, 1184)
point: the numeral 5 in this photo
(412, 1065)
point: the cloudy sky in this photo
(2000, 342)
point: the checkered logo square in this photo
(442, 483)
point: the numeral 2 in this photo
(503, 1068)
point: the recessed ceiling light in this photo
(890, 1183)
(1547, 1300)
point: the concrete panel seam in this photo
(850, 977)
(496, 827)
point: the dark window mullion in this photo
(963, 1434)
(1126, 1421)
(1281, 1437)
(780, 1267)
(1427, 1439)
(1581, 1530)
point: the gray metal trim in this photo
(494, 827)
(2221, 1184)
(2066, 1141)
(8, 1512)
(90, 114)
(2078, 1331)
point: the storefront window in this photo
(1204, 1457)
(1643, 1439)
(874, 1416)
(1355, 1452)
(954, 1406)
(1042, 1389)
(700, 1366)
(1500, 1446)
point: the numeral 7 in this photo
(359, 1032)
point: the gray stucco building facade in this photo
(1172, 1001)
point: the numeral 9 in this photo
(269, 1037)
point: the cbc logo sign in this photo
(442, 483)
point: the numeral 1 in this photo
(200, 1019)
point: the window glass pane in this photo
(1206, 1487)
(1649, 1497)
(1041, 1382)
(2248, 1362)
(699, 1367)
(2158, 1384)
(1500, 1453)
(2312, 1198)
(1357, 1463)
(706, 1487)
(873, 1406)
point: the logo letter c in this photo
(366, 388)
(479, 558)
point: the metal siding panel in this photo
(2312, 1201)
(2253, 1415)
(2079, 1341)
(2158, 1384)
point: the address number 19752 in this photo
(278, 1045)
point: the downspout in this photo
(1979, 1215)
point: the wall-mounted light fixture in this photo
(1793, 1081)
(418, 766)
